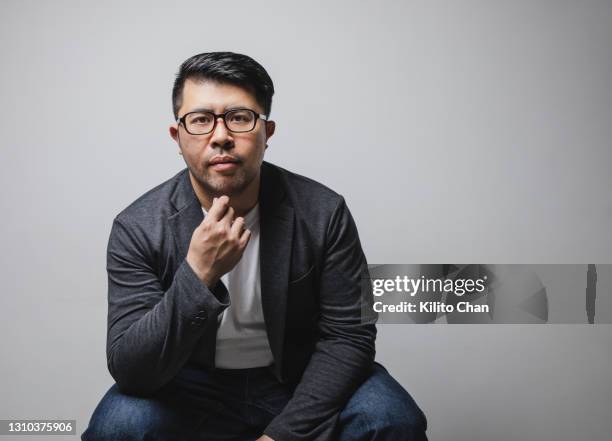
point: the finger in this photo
(228, 217)
(244, 238)
(219, 208)
(237, 226)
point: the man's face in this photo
(222, 162)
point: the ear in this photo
(173, 129)
(270, 127)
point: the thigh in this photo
(381, 409)
(266, 398)
(120, 417)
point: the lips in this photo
(223, 160)
(223, 164)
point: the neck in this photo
(242, 202)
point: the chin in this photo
(230, 185)
(217, 184)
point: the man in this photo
(235, 306)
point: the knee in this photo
(382, 409)
(124, 417)
(389, 420)
(403, 421)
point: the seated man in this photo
(235, 304)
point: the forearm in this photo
(145, 355)
(344, 353)
(336, 369)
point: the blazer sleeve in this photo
(152, 332)
(344, 354)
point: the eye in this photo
(200, 119)
(240, 117)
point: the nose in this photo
(221, 137)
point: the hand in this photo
(264, 438)
(217, 243)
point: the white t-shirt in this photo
(242, 340)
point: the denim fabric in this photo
(238, 404)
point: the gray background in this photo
(458, 131)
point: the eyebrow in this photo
(207, 109)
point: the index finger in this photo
(218, 208)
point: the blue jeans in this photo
(237, 405)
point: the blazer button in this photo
(199, 319)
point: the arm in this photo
(344, 354)
(152, 332)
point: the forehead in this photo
(215, 96)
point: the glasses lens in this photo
(240, 120)
(199, 122)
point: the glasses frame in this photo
(181, 120)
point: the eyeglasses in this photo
(236, 120)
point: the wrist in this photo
(209, 281)
(207, 277)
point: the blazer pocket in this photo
(309, 272)
(302, 309)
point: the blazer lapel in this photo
(188, 216)
(276, 238)
(275, 246)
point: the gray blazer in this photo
(162, 317)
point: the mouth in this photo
(223, 163)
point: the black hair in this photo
(225, 68)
